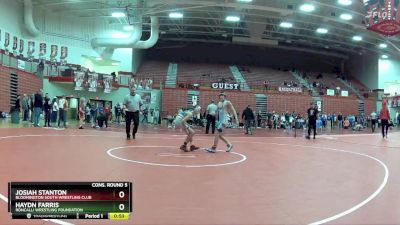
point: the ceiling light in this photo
(357, 38)
(344, 2)
(346, 16)
(99, 58)
(118, 14)
(322, 30)
(307, 8)
(128, 28)
(175, 15)
(245, 1)
(119, 35)
(232, 18)
(115, 64)
(286, 25)
(385, 57)
(382, 45)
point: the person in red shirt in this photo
(385, 117)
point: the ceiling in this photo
(204, 21)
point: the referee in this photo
(312, 119)
(132, 104)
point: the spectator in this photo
(47, 110)
(38, 107)
(54, 111)
(248, 117)
(385, 118)
(62, 109)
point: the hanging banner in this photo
(15, 43)
(31, 47)
(42, 48)
(290, 89)
(21, 64)
(64, 52)
(92, 81)
(7, 40)
(330, 92)
(54, 49)
(79, 78)
(21, 46)
(107, 83)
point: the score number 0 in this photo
(121, 194)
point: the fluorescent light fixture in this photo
(128, 28)
(385, 57)
(344, 2)
(175, 15)
(307, 8)
(382, 45)
(357, 38)
(322, 30)
(118, 14)
(247, 1)
(115, 64)
(232, 18)
(346, 16)
(99, 58)
(286, 25)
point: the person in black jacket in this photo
(312, 119)
(248, 117)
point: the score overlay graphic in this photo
(70, 200)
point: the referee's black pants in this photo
(312, 124)
(128, 119)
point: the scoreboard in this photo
(72, 200)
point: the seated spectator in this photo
(346, 123)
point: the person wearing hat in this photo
(182, 119)
(312, 119)
(224, 107)
(385, 117)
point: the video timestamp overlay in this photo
(70, 200)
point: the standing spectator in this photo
(25, 107)
(385, 117)
(31, 100)
(47, 110)
(248, 117)
(373, 121)
(93, 114)
(312, 113)
(54, 110)
(62, 111)
(81, 112)
(211, 112)
(259, 118)
(37, 107)
(118, 113)
(132, 104)
(87, 111)
(340, 120)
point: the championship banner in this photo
(64, 52)
(7, 40)
(54, 49)
(107, 83)
(79, 79)
(21, 64)
(42, 48)
(31, 47)
(21, 46)
(92, 81)
(15, 43)
(290, 89)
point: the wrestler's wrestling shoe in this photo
(193, 148)
(229, 148)
(183, 148)
(211, 150)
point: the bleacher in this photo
(255, 77)
(203, 74)
(155, 70)
(328, 80)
